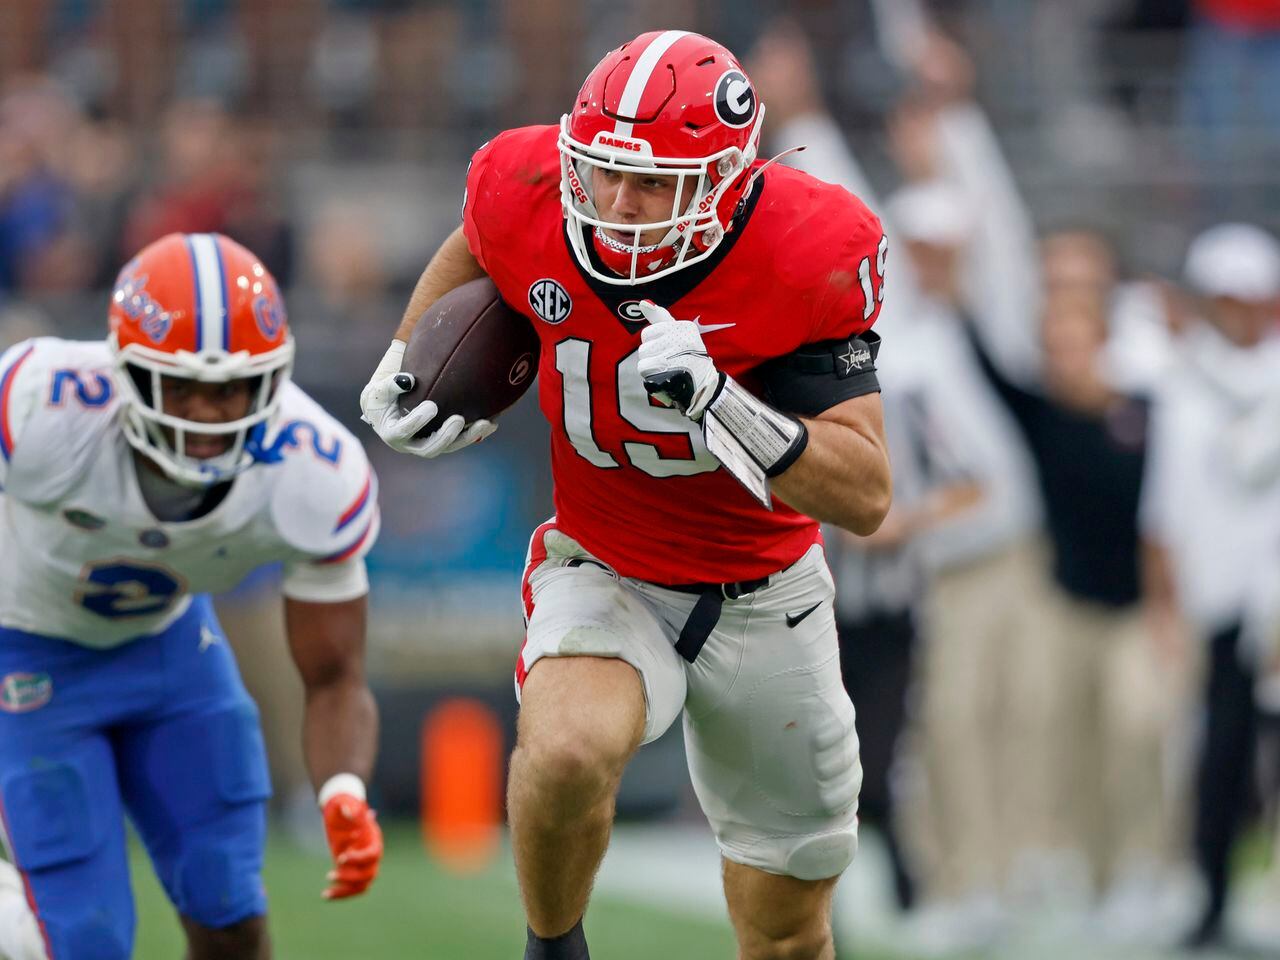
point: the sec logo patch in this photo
(550, 301)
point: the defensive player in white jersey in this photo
(140, 474)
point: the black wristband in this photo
(792, 455)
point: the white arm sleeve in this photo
(325, 582)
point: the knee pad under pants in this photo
(206, 832)
(65, 830)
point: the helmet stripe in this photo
(226, 298)
(212, 320)
(639, 79)
(195, 278)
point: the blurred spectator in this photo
(978, 712)
(938, 132)
(143, 52)
(1211, 519)
(1233, 66)
(1104, 789)
(981, 295)
(985, 684)
(1112, 704)
(41, 247)
(278, 39)
(213, 175)
(783, 69)
(100, 164)
(23, 31)
(542, 37)
(420, 49)
(1232, 73)
(344, 264)
(197, 175)
(880, 586)
(342, 291)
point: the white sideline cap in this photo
(933, 212)
(1236, 260)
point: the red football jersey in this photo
(634, 482)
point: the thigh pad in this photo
(584, 610)
(51, 811)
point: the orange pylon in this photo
(461, 784)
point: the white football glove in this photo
(674, 362)
(380, 408)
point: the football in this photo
(470, 354)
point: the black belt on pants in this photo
(706, 612)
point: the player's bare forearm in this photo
(340, 723)
(843, 475)
(340, 730)
(452, 266)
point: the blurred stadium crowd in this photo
(1064, 644)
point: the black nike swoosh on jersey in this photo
(794, 618)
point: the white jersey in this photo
(84, 559)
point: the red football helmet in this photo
(668, 103)
(201, 307)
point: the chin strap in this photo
(769, 163)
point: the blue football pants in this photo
(161, 728)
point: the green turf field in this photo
(416, 911)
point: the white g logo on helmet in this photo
(735, 100)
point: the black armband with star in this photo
(818, 376)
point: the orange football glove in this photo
(355, 841)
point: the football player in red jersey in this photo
(709, 375)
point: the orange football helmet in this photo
(200, 307)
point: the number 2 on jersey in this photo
(89, 392)
(573, 361)
(128, 588)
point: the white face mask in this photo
(162, 437)
(700, 219)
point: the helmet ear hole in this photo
(141, 378)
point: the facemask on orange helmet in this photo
(199, 307)
(669, 104)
